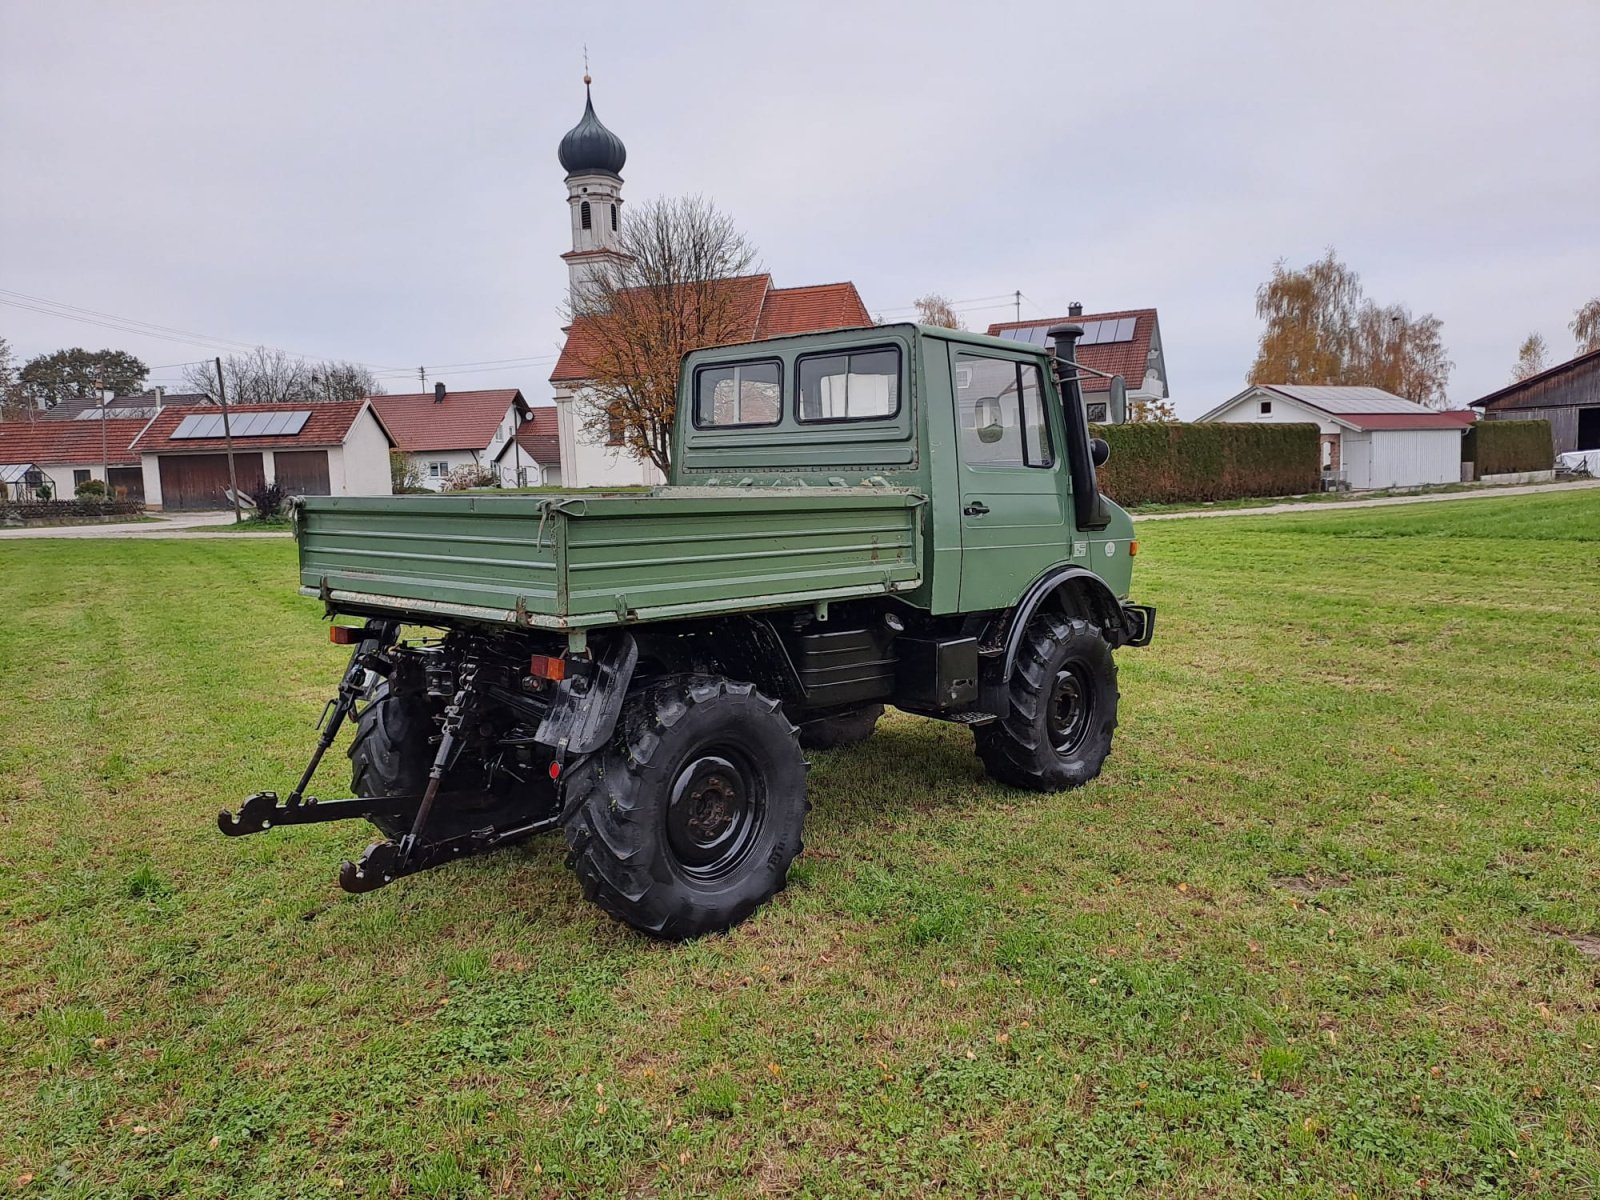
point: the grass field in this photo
(1326, 926)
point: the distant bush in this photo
(405, 473)
(268, 499)
(469, 476)
(90, 489)
(1503, 447)
(1173, 462)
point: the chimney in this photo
(438, 393)
(159, 391)
(1075, 309)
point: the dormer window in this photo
(584, 217)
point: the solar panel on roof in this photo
(1125, 327)
(249, 424)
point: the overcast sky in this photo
(378, 181)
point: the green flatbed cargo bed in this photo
(571, 560)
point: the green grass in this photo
(1315, 932)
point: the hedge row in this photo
(1503, 447)
(1172, 462)
(57, 510)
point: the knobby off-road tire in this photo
(396, 738)
(688, 821)
(1062, 711)
(841, 729)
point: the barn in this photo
(1567, 395)
(330, 449)
(1370, 438)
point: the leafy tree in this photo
(1151, 410)
(1532, 357)
(75, 374)
(935, 309)
(1322, 329)
(665, 292)
(266, 376)
(13, 404)
(1586, 326)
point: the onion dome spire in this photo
(589, 147)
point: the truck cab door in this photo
(1013, 483)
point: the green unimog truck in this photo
(895, 515)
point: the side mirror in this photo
(1118, 402)
(1099, 451)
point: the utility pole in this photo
(1018, 302)
(422, 374)
(227, 436)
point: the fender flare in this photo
(1040, 590)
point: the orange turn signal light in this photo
(546, 666)
(344, 635)
(1133, 548)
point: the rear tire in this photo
(1057, 730)
(688, 821)
(842, 729)
(391, 753)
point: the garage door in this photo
(302, 472)
(127, 483)
(191, 481)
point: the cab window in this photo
(863, 385)
(1000, 413)
(746, 393)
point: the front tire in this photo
(688, 821)
(1062, 709)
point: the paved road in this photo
(178, 525)
(1317, 506)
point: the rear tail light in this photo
(344, 635)
(545, 666)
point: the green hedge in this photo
(1172, 462)
(1503, 447)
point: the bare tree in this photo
(267, 376)
(1151, 411)
(667, 290)
(1586, 326)
(1532, 357)
(935, 309)
(14, 404)
(1321, 328)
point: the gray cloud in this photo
(378, 181)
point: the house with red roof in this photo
(443, 430)
(593, 158)
(339, 448)
(1126, 342)
(533, 457)
(67, 453)
(1370, 438)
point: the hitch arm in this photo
(376, 636)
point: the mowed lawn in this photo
(1328, 925)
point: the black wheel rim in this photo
(1071, 706)
(714, 814)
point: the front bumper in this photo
(1138, 624)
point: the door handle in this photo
(976, 509)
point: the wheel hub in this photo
(1070, 707)
(712, 816)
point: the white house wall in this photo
(1247, 411)
(587, 461)
(1355, 458)
(363, 460)
(1413, 457)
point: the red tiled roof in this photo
(1128, 359)
(811, 309)
(328, 425)
(539, 437)
(759, 311)
(58, 443)
(461, 421)
(1428, 420)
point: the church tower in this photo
(593, 157)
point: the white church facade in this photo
(593, 158)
